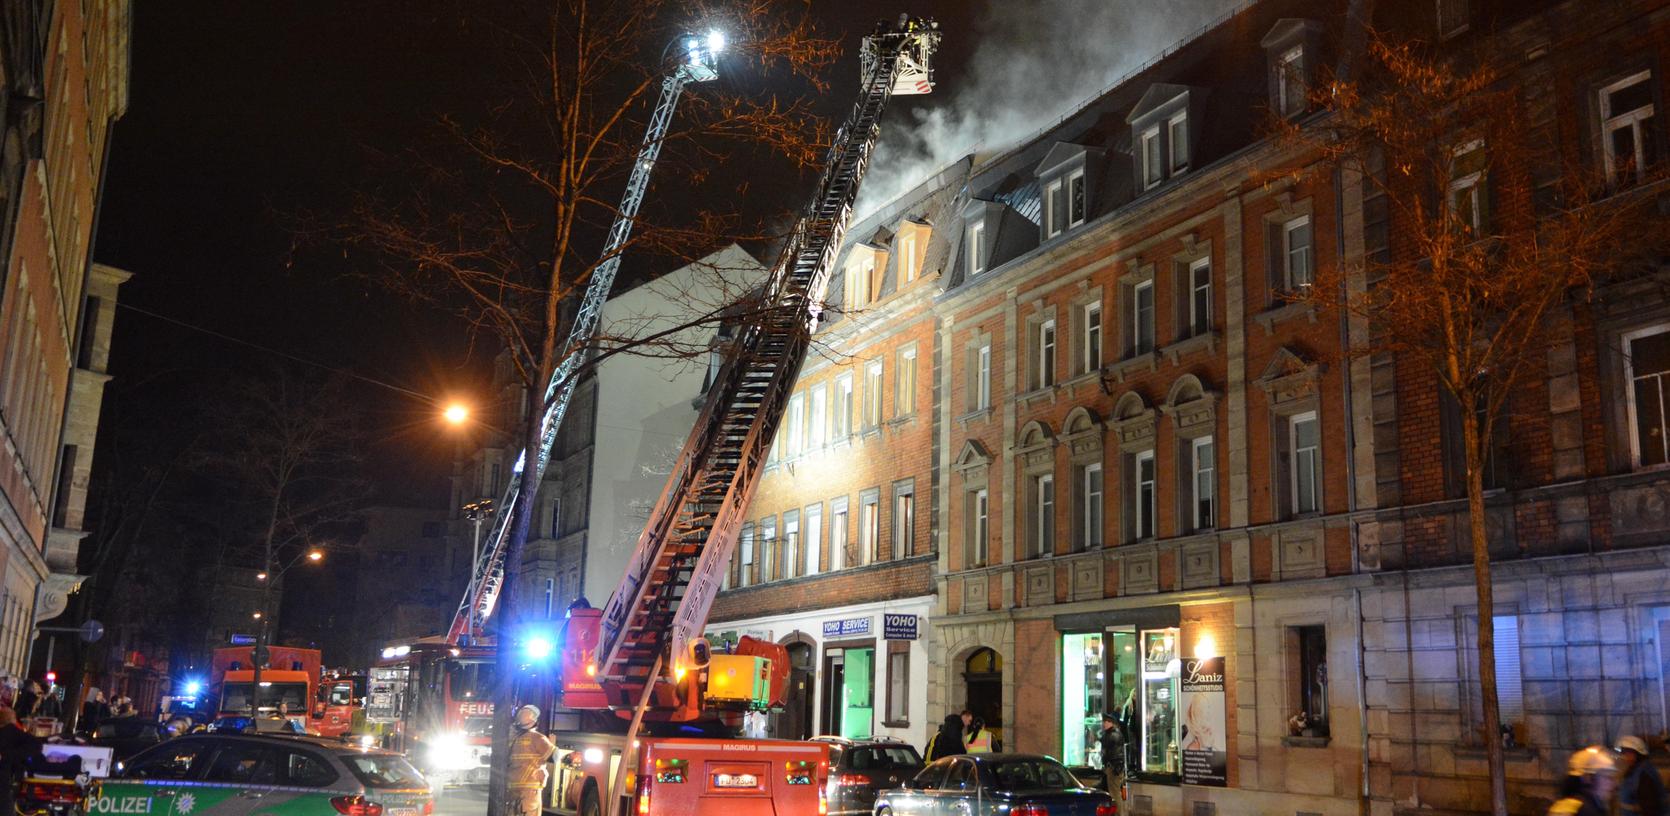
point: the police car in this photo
(253, 775)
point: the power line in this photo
(284, 354)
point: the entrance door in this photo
(795, 720)
(834, 685)
(858, 687)
(983, 674)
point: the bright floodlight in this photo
(715, 41)
(455, 414)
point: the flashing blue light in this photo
(193, 688)
(537, 647)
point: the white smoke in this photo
(1033, 63)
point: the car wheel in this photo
(589, 806)
(884, 811)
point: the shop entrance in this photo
(795, 721)
(848, 691)
(983, 675)
(1132, 673)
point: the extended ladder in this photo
(661, 605)
(487, 576)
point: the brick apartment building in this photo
(1134, 478)
(64, 71)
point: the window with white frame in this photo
(907, 257)
(817, 417)
(1064, 205)
(1203, 514)
(770, 559)
(980, 379)
(1153, 158)
(1142, 502)
(838, 533)
(813, 536)
(872, 394)
(1626, 114)
(1200, 297)
(904, 518)
(976, 248)
(1090, 358)
(1043, 374)
(1290, 81)
(747, 546)
(1467, 204)
(840, 426)
(1078, 207)
(976, 512)
(869, 525)
(1647, 368)
(859, 283)
(1090, 509)
(797, 425)
(1296, 253)
(1142, 318)
(794, 561)
(904, 393)
(1042, 526)
(1177, 129)
(1305, 455)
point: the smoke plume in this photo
(1033, 63)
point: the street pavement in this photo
(467, 800)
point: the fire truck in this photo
(433, 700)
(642, 660)
(340, 703)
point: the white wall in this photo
(646, 404)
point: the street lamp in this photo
(456, 414)
(269, 576)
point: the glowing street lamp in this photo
(456, 414)
(315, 556)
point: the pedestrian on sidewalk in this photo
(1112, 740)
(978, 740)
(529, 751)
(1640, 788)
(1591, 774)
(949, 740)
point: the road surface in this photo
(462, 801)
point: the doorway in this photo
(848, 691)
(796, 720)
(983, 676)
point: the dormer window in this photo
(1160, 134)
(1177, 127)
(1064, 203)
(976, 248)
(907, 258)
(1063, 177)
(859, 281)
(1153, 161)
(1290, 82)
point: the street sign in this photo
(243, 640)
(899, 627)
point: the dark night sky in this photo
(245, 113)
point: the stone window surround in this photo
(1615, 370)
(973, 464)
(971, 348)
(1292, 386)
(1087, 296)
(1133, 425)
(1194, 249)
(1040, 314)
(1138, 273)
(1161, 103)
(1282, 37)
(1286, 209)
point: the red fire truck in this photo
(339, 706)
(434, 701)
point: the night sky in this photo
(246, 117)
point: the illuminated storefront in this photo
(1130, 670)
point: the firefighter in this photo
(529, 751)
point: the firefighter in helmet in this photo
(529, 752)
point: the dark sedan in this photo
(859, 769)
(992, 784)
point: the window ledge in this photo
(1281, 314)
(1045, 393)
(1305, 742)
(1205, 340)
(977, 415)
(895, 723)
(1147, 360)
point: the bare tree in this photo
(504, 225)
(1494, 233)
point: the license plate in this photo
(735, 781)
(402, 812)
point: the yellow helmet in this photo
(1595, 759)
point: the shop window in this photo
(898, 684)
(904, 517)
(1647, 369)
(1308, 666)
(814, 538)
(975, 510)
(1626, 124)
(849, 677)
(1083, 699)
(1158, 751)
(838, 533)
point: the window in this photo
(797, 425)
(771, 555)
(872, 394)
(307, 770)
(1042, 526)
(1177, 129)
(904, 393)
(862, 271)
(1091, 353)
(1064, 205)
(1306, 457)
(814, 539)
(556, 517)
(817, 418)
(1296, 260)
(1647, 366)
(974, 526)
(1510, 686)
(794, 561)
(980, 378)
(1043, 374)
(246, 763)
(898, 684)
(747, 545)
(841, 424)
(1309, 668)
(1077, 207)
(1089, 515)
(1626, 113)
(904, 518)
(1200, 297)
(869, 526)
(907, 258)
(1153, 160)
(1203, 514)
(1290, 81)
(1143, 500)
(1452, 17)
(1467, 205)
(838, 533)
(1142, 318)
(182, 759)
(976, 248)
(550, 596)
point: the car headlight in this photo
(450, 753)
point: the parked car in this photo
(992, 784)
(126, 736)
(859, 769)
(225, 774)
